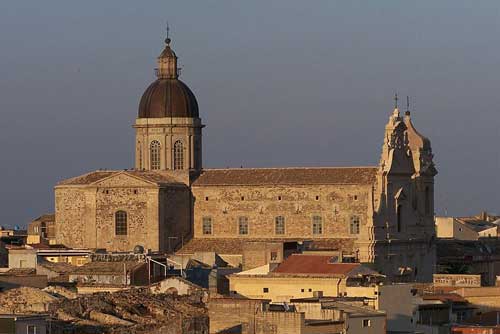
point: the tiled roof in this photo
(445, 297)
(460, 249)
(235, 245)
(20, 272)
(106, 268)
(152, 176)
(46, 218)
(57, 267)
(477, 225)
(286, 176)
(86, 178)
(314, 264)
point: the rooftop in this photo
(445, 297)
(106, 268)
(321, 265)
(235, 245)
(157, 177)
(286, 176)
(46, 218)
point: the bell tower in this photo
(168, 126)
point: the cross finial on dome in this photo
(407, 106)
(168, 40)
(396, 100)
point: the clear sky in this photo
(279, 83)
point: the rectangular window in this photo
(279, 225)
(367, 323)
(207, 225)
(317, 225)
(354, 227)
(243, 225)
(265, 290)
(274, 256)
(31, 329)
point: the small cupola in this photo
(167, 63)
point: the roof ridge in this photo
(289, 167)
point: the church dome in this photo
(168, 96)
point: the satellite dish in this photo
(138, 249)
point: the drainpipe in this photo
(338, 287)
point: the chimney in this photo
(484, 215)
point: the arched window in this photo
(121, 223)
(279, 225)
(428, 204)
(155, 149)
(399, 217)
(178, 155)
(354, 226)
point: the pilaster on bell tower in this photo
(168, 126)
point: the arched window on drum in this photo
(178, 155)
(155, 149)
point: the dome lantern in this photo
(167, 63)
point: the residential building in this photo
(481, 257)
(301, 276)
(246, 316)
(42, 230)
(466, 228)
(110, 274)
(23, 324)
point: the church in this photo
(382, 215)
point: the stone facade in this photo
(297, 204)
(86, 211)
(381, 214)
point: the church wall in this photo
(142, 218)
(74, 216)
(336, 204)
(417, 257)
(85, 217)
(175, 217)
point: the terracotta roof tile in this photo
(314, 264)
(58, 267)
(286, 176)
(235, 245)
(152, 176)
(86, 178)
(46, 218)
(445, 297)
(106, 268)
(20, 272)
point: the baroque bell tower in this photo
(168, 127)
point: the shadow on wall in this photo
(232, 330)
